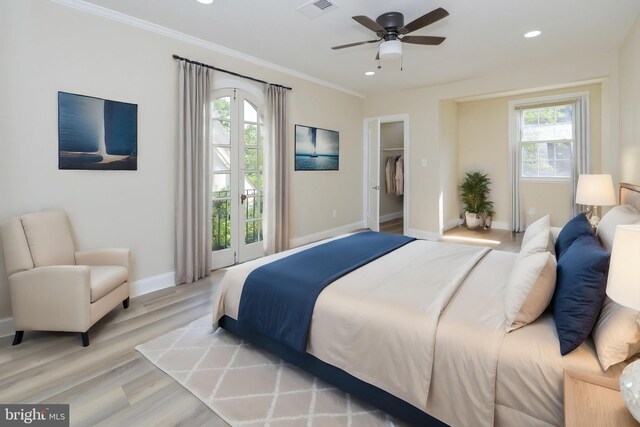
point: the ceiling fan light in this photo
(205, 1)
(391, 49)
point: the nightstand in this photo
(590, 400)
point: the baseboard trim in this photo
(390, 216)
(500, 225)
(326, 234)
(152, 284)
(6, 327)
(452, 223)
(422, 234)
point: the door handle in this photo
(243, 197)
(375, 187)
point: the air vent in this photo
(323, 4)
(315, 8)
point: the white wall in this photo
(423, 107)
(48, 48)
(484, 146)
(449, 154)
(630, 106)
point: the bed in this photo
(463, 368)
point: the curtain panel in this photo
(581, 156)
(277, 172)
(193, 192)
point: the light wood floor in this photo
(395, 226)
(503, 240)
(497, 239)
(109, 383)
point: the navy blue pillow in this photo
(577, 227)
(580, 291)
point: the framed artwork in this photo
(317, 149)
(96, 134)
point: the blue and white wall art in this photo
(97, 134)
(317, 149)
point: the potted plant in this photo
(474, 193)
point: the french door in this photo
(237, 183)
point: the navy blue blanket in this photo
(278, 298)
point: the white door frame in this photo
(404, 118)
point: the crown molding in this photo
(177, 35)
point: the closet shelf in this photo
(393, 149)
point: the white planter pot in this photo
(473, 220)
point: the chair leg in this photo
(17, 339)
(85, 338)
(125, 303)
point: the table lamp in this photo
(595, 190)
(623, 287)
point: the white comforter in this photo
(379, 323)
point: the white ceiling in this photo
(481, 35)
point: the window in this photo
(546, 140)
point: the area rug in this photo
(247, 386)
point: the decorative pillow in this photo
(619, 215)
(616, 334)
(577, 227)
(530, 288)
(543, 225)
(580, 291)
(541, 242)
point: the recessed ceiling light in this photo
(369, 73)
(531, 34)
(205, 1)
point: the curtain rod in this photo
(228, 72)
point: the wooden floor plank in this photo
(109, 383)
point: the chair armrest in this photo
(54, 298)
(113, 256)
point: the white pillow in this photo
(530, 288)
(542, 242)
(535, 228)
(534, 231)
(618, 215)
(616, 334)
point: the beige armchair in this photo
(53, 287)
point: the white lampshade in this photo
(595, 190)
(391, 49)
(623, 285)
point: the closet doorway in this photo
(386, 173)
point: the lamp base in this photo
(630, 388)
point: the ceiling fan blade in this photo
(370, 24)
(428, 19)
(353, 44)
(428, 40)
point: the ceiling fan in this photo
(392, 32)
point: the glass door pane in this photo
(224, 230)
(252, 179)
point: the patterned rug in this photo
(247, 386)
